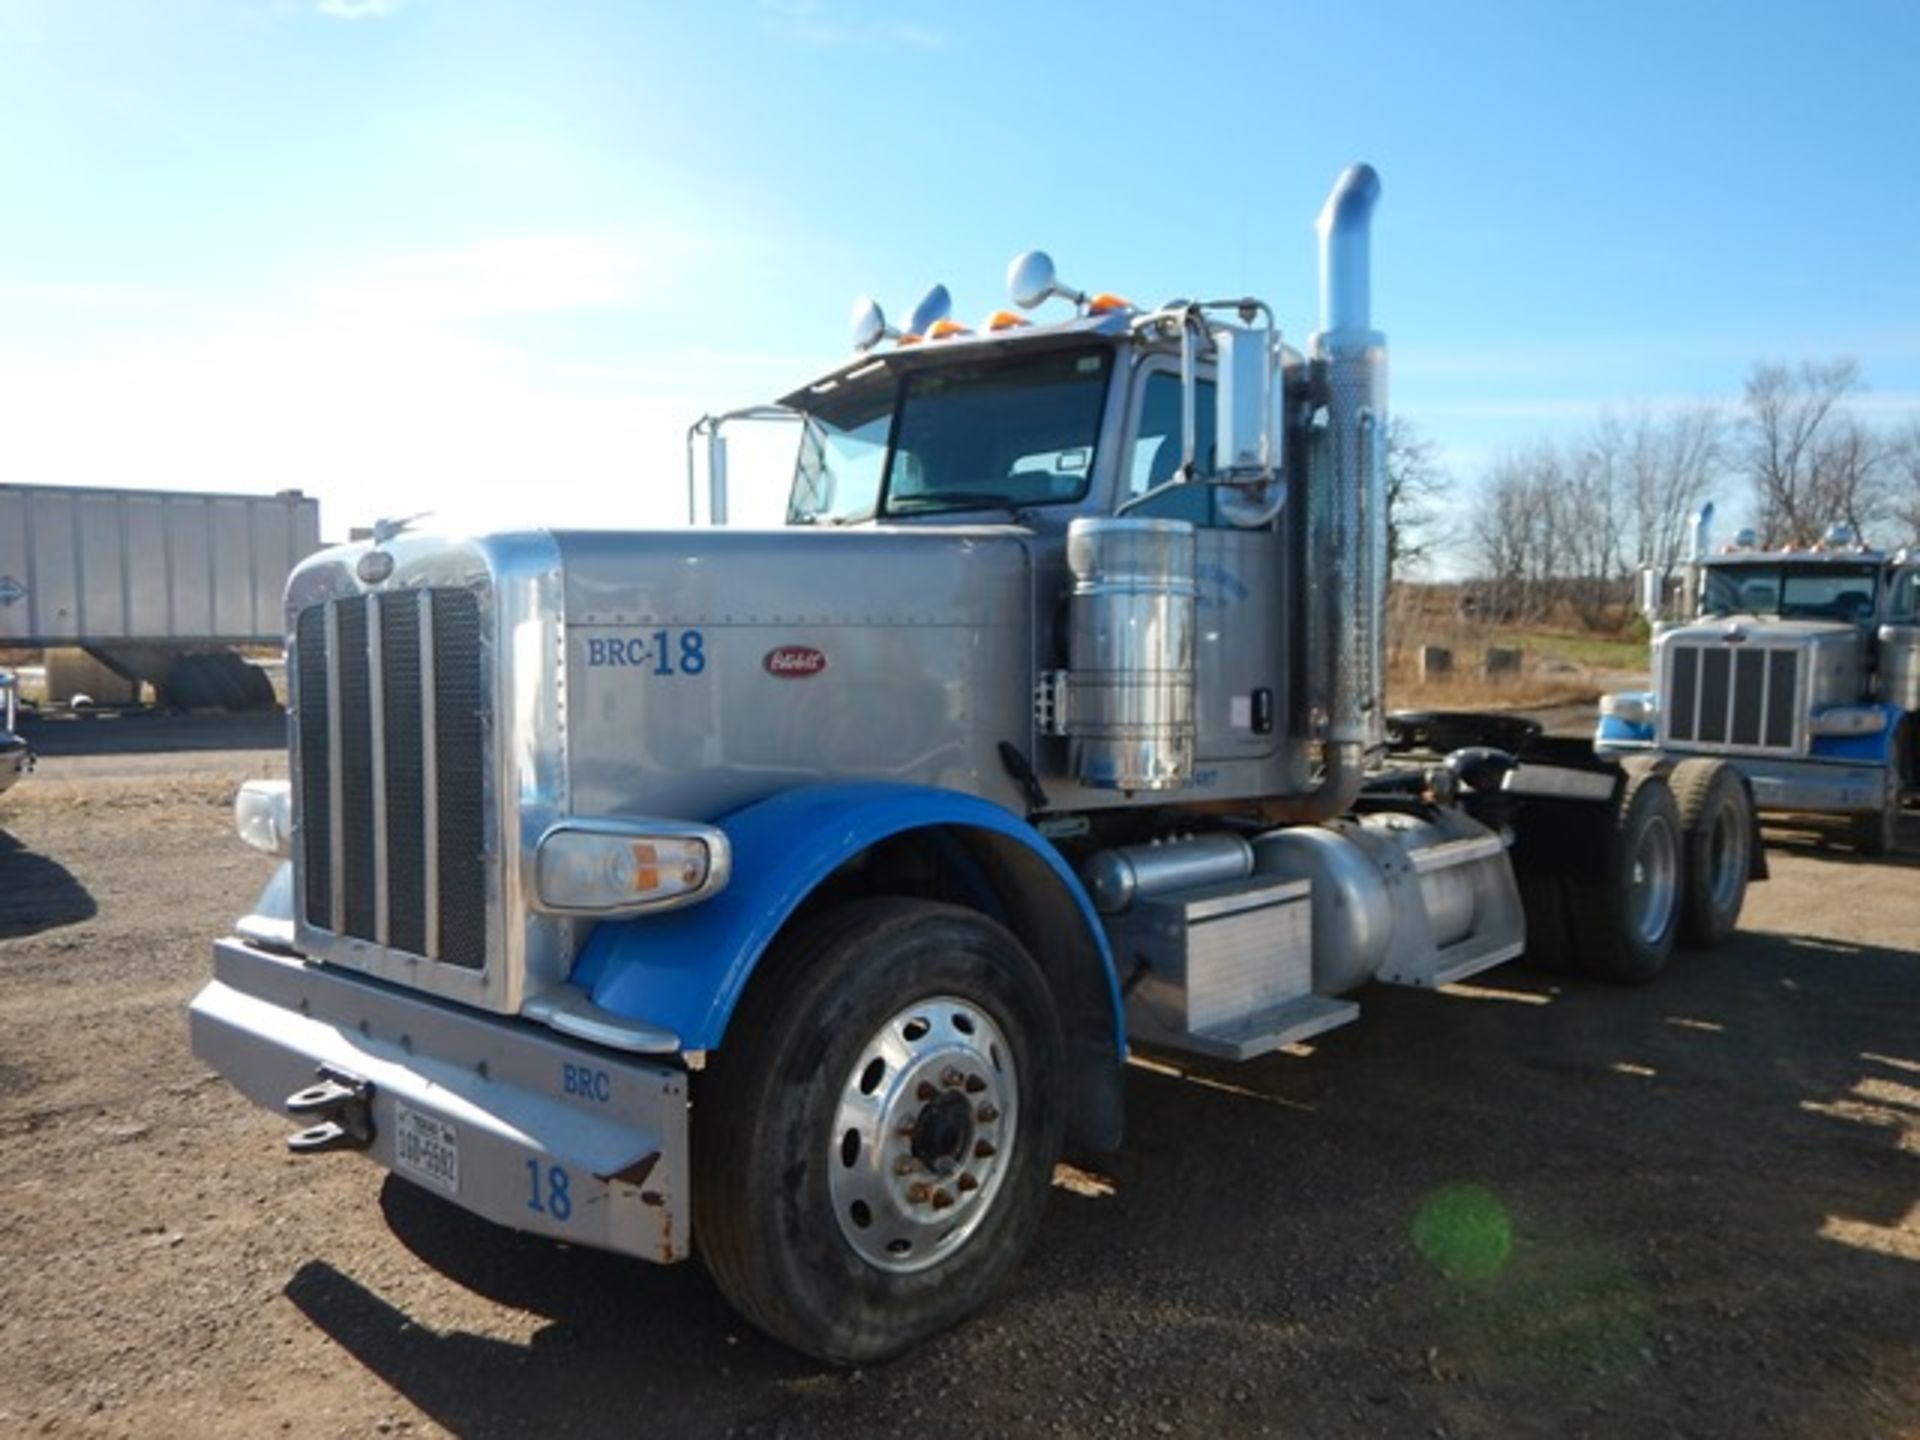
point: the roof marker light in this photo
(1005, 320)
(946, 330)
(1106, 303)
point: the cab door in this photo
(1239, 651)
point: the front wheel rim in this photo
(923, 1134)
(1654, 885)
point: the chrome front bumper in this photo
(549, 1136)
(1811, 785)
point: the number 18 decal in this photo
(551, 1184)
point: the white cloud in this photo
(357, 9)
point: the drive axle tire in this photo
(1625, 911)
(1717, 837)
(874, 1145)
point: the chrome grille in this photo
(1734, 697)
(389, 701)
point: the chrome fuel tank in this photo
(1130, 653)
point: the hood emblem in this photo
(373, 567)
(794, 662)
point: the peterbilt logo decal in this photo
(794, 662)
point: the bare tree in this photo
(1416, 481)
(1500, 537)
(1903, 483)
(1810, 462)
(1671, 464)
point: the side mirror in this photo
(1031, 281)
(869, 324)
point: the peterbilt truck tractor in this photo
(1799, 666)
(790, 897)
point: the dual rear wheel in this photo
(1666, 863)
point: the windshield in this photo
(1793, 592)
(992, 434)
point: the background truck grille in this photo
(389, 701)
(1744, 697)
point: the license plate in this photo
(427, 1148)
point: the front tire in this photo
(874, 1146)
(1717, 839)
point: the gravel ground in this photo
(1529, 1206)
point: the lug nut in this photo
(984, 1150)
(975, 1084)
(942, 1200)
(905, 1165)
(952, 1078)
(917, 1193)
(986, 1114)
(967, 1183)
(925, 1091)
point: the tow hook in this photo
(339, 1104)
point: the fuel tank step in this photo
(1267, 1030)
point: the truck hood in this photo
(1759, 627)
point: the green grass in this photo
(1598, 651)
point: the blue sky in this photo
(490, 257)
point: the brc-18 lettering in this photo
(670, 653)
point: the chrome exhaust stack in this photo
(1353, 357)
(1346, 507)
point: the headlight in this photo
(611, 867)
(263, 814)
(1849, 720)
(1634, 709)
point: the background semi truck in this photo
(1800, 666)
(790, 897)
(157, 586)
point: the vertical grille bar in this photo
(1782, 673)
(405, 793)
(377, 745)
(463, 881)
(316, 774)
(1716, 695)
(1685, 692)
(1749, 695)
(336, 788)
(430, 783)
(356, 821)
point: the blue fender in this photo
(1874, 749)
(686, 969)
(1613, 733)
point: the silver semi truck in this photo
(1799, 666)
(789, 897)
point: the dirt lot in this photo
(1527, 1207)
